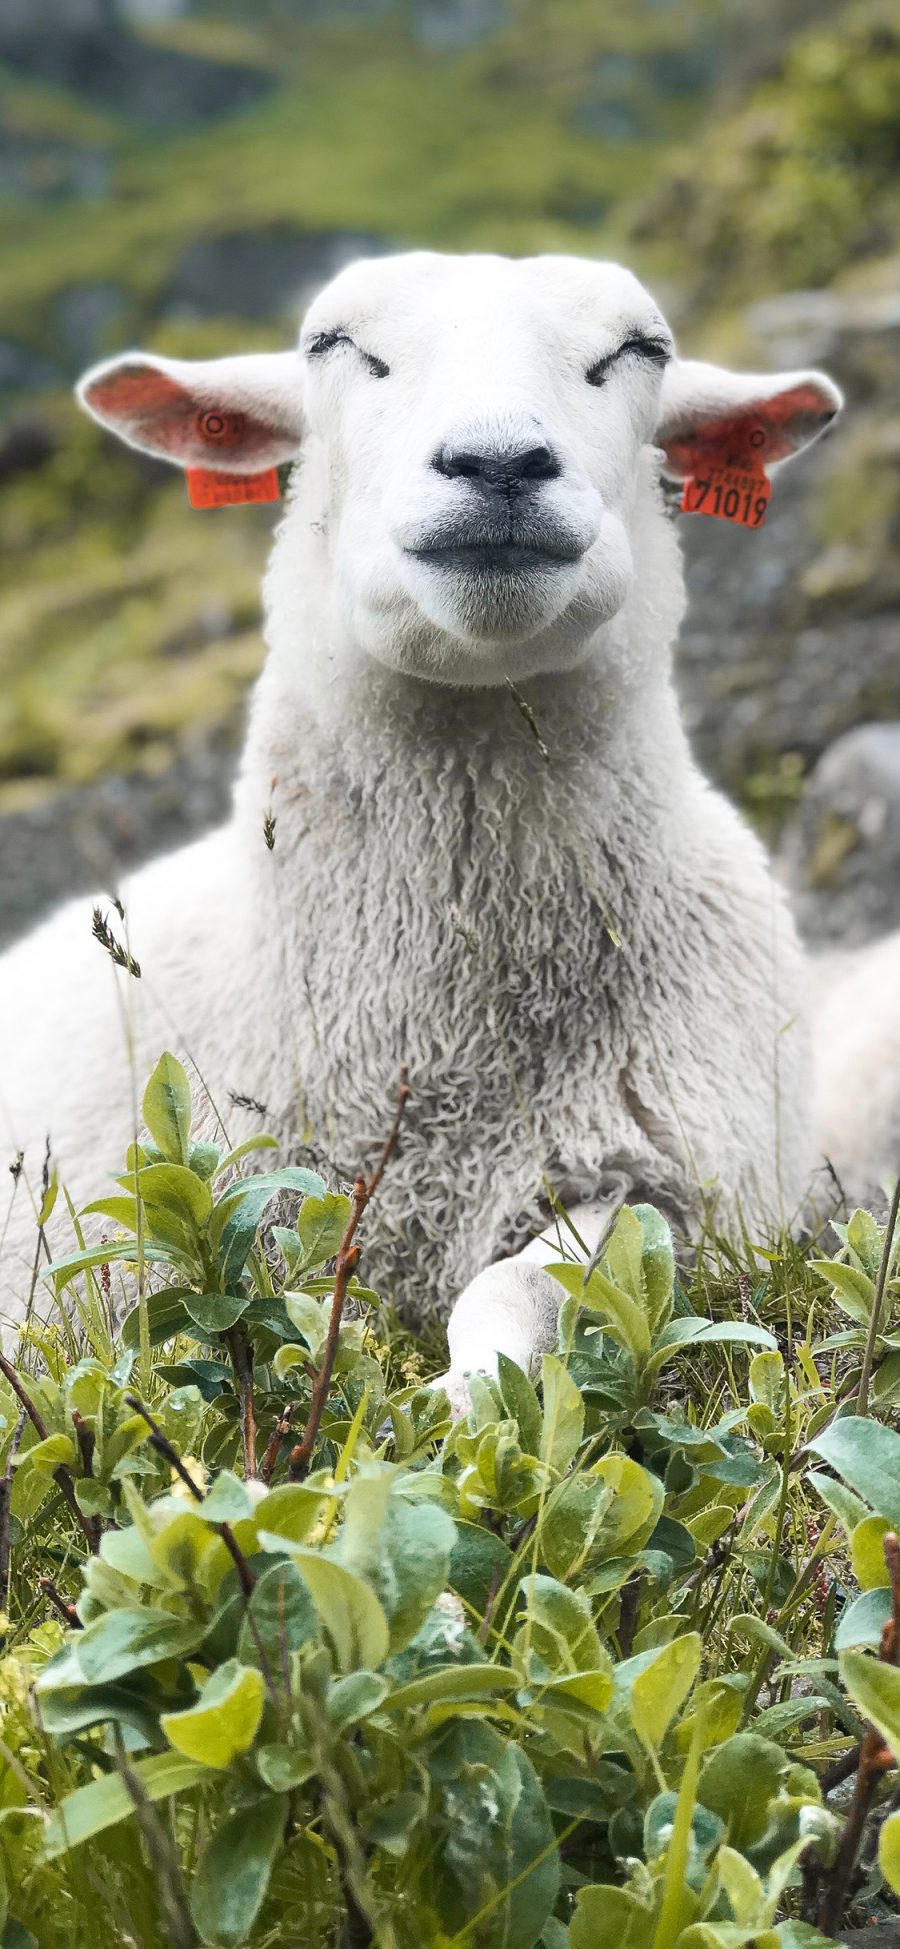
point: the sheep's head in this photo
(474, 434)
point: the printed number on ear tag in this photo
(738, 497)
(207, 489)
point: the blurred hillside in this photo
(183, 174)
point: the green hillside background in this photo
(183, 175)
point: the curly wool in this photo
(583, 959)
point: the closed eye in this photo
(657, 351)
(323, 342)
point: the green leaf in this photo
(354, 1697)
(558, 1626)
(852, 1290)
(867, 1552)
(875, 1688)
(122, 1251)
(125, 1640)
(230, 1883)
(214, 1312)
(321, 1227)
(767, 1380)
(480, 1566)
(867, 1457)
(238, 1212)
(521, 1403)
(889, 1852)
(346, 1607)
(659, 1692)
(657, 1265)
(283, 1767)
(607, 1915)
(563, 1423)
(863, 1621)
(105, 1802)
(51, 1453)
(171, 1190)
(232, 1157)
(693, 1331)
(492, 1851)
(16, 1936)
(452, 1682)
(623, 1317)
(166, 1316)
(225, 1720)
(167, 1109)
(848, 1508)
(739, 1781)
(280, 1617)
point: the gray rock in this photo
(840, 855)
(260, 274)
(89, 319)
(445, 25)
(85, 839)
(85, 45)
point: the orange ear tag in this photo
(739, 497)
(213, 490)
(737, 490)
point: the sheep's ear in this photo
(712, 418)
(239, 414)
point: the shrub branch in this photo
(61, 1475)
(874, 1759)
(345, 1265)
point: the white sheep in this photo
(529, 895)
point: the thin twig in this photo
(163, 1446)
(5, 1499)
(628, 1614)
(279, 1434)
(180, 1932)
(887, 1253)
(61, 1475)
(523, 705)
(242, 1362)
(60, 1603)
(874, 1759)
(345, 1265)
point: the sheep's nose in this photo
(495, 470)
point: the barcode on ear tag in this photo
(207, 489)
(732, 496)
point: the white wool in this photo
(583, 958)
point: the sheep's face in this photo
(479, 425)
(473, 434)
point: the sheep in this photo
(494, 858)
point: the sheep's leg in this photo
(512, 1306)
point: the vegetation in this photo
(291, 1657)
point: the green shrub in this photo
(292, 1657)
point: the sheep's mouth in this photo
(490, 554)
(493, 557)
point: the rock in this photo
(85, 46)
(88, 320)
(261, 274)
(22, 370)
(85, 839)
(840, 855)
(26, 441)
(446, 25)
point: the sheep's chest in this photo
(483, 958)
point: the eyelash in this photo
(326, 341)
(645, 348)
(596, 375)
